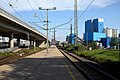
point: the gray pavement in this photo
(41, 66)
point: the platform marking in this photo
(69, 70)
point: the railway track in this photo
(9, 59)
(91, 72)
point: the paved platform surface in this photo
(41, 66)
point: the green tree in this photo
(114, 42)
(93, 44)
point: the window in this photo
(100, 24)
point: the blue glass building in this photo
(94, 30)
(88, 26)
(98, 25)
(70, 39)
(105, 42)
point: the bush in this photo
(78, 47)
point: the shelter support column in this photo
(28, 37)
(34, 43)
(18, 42)
(11, 41)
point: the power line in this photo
(38, 6)
(63, 28)
(4, 3)
(84, 11)
(62, 24)
(80, 3)
(50, 36)
(22, 8)
(54, 12)
(33, 23)
(31, 6)
(62, 35)
(16, 11)
(35, 15)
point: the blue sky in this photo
(26, 10)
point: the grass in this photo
(5, 54)
(25, 51)
(101, 56)
(106, 57)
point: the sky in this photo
(28, 11)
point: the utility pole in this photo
(70, 28)
(75, 22)
(40, 8)
(54, 36)
(54, 40)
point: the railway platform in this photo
(41, 66)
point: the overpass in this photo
(12, 27)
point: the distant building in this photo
(94, 30)
(98, 25)
(67, 39)
(70, 39)
(88, 26)
(110, 32)
(4, 39)
(105, 42)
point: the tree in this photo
(114, 41)
(93, 44)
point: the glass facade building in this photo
(94, 30)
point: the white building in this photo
(4, 39)
(110, 32)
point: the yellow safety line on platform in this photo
(69, 70)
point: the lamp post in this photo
(40, 8)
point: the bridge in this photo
(12, 27)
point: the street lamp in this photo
(40, 8)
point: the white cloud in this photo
(60, 4)
(104, 3)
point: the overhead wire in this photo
(16, 11)
(62, 35)
(33, 23)
(78, 17)
(4, 3)
(35, 15)
(54, 12)
(80, 3)
(22, 9)
(50, 36)
(61, 24)
(84, 11)
(10, 5)
(63, 28)
(38, 7)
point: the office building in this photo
(110, 32)
(70, 39)
(94, 30)
(98, 25)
